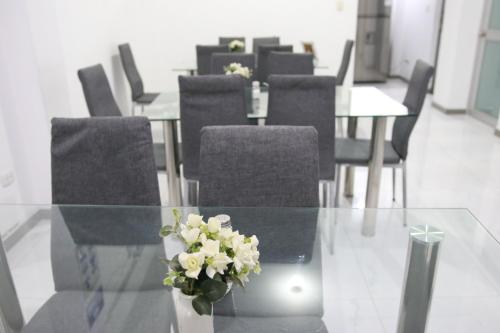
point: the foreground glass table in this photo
(98, 269)
(353, 102)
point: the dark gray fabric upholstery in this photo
(97, 92)
(133, 76)
(263, 59)
(204, 101)
(306, 100)
(259, 166)
(103, 161)
(346, 59)
(357, 151)
(220, 60)
(264, 41)
(290, 63)
(414, 100)
(147, 98)
(204, 56)
(227, 40)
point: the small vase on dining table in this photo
(188, 321)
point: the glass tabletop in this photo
(99, 269)
(349, 102)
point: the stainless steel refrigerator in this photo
(372, 41)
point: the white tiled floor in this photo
(453, 162)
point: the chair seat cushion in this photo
(357, 151)
(147, 98)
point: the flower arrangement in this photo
(236, 45)
(237, 68)
(214, 259)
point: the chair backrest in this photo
(227, 40)
(103, 161)
(263, 59)
(97, 92)
(204, 56)
(220, 60)
(204, 101)
(346, 59)
(259, 166)
(133, 76)
(10, 310)
(414, 100)
(290, 63)
(306, 100)
(258, 41)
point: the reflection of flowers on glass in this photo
(237, 68)
(215, 258)
(236, 45)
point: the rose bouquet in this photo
(214, 259)
(237, 68)
(236, 45)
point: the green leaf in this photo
(166, 230)
(202, 306)
(174, 263)
(213, 290)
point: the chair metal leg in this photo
(142, 109)
(340, 125)
(192, 192)
(404, 185)
(393, 184)
(338, 172)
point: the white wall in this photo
(459, 40)
(44, 43)
(414, 34)
(163, 35)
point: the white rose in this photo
(194, 220)
(210, 247)
(218, 263)
(237, 239)
(192, 263)
(254, 241)
(213, 225)
(244, 256)
(190, 235)
(225, 236)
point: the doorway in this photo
(484, 102)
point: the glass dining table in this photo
(99, 269)
(350, 102)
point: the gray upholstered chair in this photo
(290, 63)
(357, 152)
(97, 92)
(220, 60)
(11, 316)
(307, 100)
(104, 161)
(204, 101)
(101, 103)
(346, 59)
(263, 59)
(258, 41)
(204, 56)
(227, 40)
(139, 97)
(259, 166)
